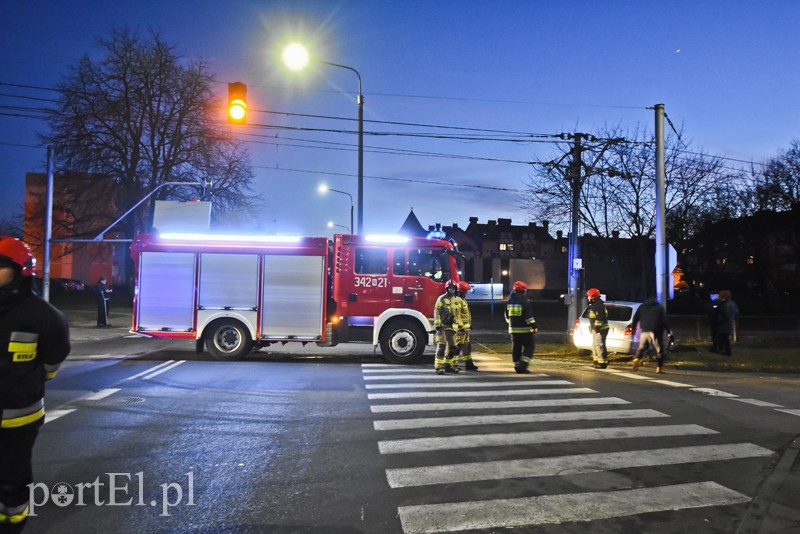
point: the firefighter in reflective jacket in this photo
(463, 335)
(598, 325)
(34, 340)
(521, 326)
(446, 316)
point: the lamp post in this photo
(324, 189)
(296, 57)
(331, 224)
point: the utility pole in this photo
(576, 177)
(575, 263)
(662, 252)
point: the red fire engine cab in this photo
(235, 294)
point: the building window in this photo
(502, 246)
(751, 260)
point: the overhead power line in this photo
(386, 178)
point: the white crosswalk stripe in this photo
(494, 405)
(398, 446)
(460, 428)
(460, 383)
(472, 394)
(556, 509)
(431, 376)
(470, 420)
(572, 464)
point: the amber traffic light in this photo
(237, 102)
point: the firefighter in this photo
(521, 326)
(598, 325)
(34, 340)
(446, 323)
(463, 341)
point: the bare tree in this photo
(140, 116)
(12, 226)
(618, 195)
(778, 186)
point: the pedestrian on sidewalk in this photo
(103, 294)
(34, 340)
(521, 326)
(652, 318)
(598, 325)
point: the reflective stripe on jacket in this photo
(34, 341)
(519, 314)
(598, 316)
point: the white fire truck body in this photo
(235, 294)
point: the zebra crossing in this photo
(422, 417)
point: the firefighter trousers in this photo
(446, 349)
(522, 347)
(16, 473)
(464, 346)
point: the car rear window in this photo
(619, 313)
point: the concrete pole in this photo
(573, 274)
(48, 226)
(662, 254)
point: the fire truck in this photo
(236, 294)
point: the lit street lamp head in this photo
(295, 56)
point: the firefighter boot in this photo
(659, 370)
(448, 368)
(439, 371)
(636, 363)
(602, 364)
(469, 365)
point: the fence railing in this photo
(698, 326)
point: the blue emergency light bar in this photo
(377, 238)
(229, 238)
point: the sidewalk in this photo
(776, 508)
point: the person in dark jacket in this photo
(723, 318)
(34, 340)
(652, 318)
(103, 293)
(598, 325)
(521, 326)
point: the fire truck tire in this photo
(228, 340)
(403, 342)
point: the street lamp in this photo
(331, 224)
(296, 57)
(324, 189)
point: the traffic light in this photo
(237, 102)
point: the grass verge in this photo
(749, 355)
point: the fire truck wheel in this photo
(402, 342)
(228, 340)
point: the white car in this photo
(620, 336)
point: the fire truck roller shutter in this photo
(403, 340)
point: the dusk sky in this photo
(727, 72)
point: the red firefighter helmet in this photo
(593, 293)
(519, 285)
(19, 253)
(463, 286)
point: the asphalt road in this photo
(309, 440)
